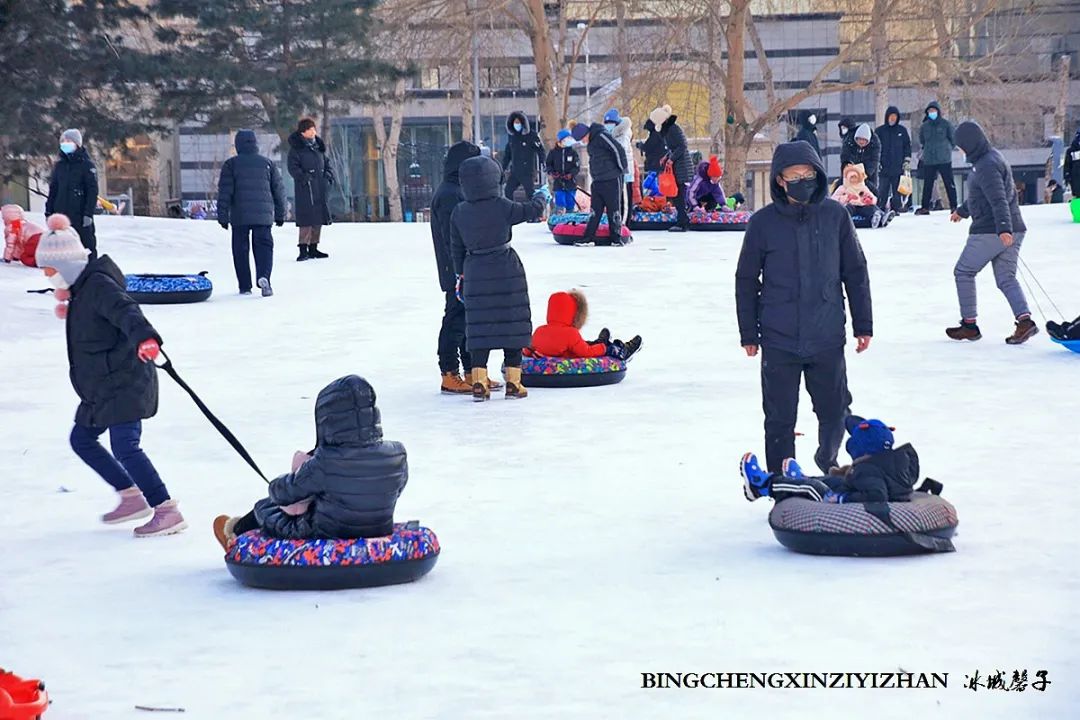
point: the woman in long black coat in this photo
(678, 151)
(313, 176)
(490, 273)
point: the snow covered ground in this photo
(588, 536)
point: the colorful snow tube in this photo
(152, 289)
(817, 528)
(716, 220)
(549, 372)
(1073, 345)
(572, 218)
(572, 234)
(21, 699)
(641, 220)
(260, 561)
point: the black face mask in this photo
(802, 191)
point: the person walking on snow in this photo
(312, 176)
(523, 156)
(623, 131)
(678, 151)
(111, 349)
(607, 165)
(895, 160)
(563, 166)
(996, 234)
(73, 188)
(251, 196)
(936, 139)
(799, 257)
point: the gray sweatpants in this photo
(980, 250)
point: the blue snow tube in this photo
(817, 528)
(261, 561)
(156, 289)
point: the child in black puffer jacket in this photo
(347, 487)
(878, 472)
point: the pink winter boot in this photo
(132, 507)
(167, 520)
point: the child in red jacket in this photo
(561, 336)
(21, 237)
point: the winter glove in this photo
(87, 221)
(457, 288)
(279, 223)
(544, 193)
(61, 311)
(224, 225)
(148, 350)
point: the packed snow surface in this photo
(588, 535)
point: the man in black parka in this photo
(312, 177)
(452, 332)
(799, 255)
(523, 156)
(607, 166)
(251, 197)
(895, 159)
(73, 188)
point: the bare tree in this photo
(394, 107)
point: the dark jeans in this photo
(452, 337)
(246, 523)
(826, 381)
(890, 193)
(128, 464)
(929, 176)
(511, 357)
(606, 197)
(88, 235)
(261, 244)
(514, 182)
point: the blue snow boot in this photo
(792, 471)
(756, 482)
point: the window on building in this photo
(500, 76)
(429, 79)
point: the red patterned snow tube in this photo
(574, 233)
(549, 372)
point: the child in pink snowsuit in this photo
(20, 237)
(854, 194)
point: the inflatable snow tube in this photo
(548, 372)
(642, 220)
(574, 233)
(715, 220)
(259, 561)
(153, 289)
(817, 528)
(571, 219)
(1073, 345)
(21, 699)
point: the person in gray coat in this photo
(251, 197)
(313, 176)
(936, 139)
(996, 234)
(490, 277)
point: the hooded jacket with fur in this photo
(624, 135)
(313, 176)
(567, 313)
(853, 189)
(524, 152)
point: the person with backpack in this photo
(251, 197)
(73, 188)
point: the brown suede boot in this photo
(964, 331)
(491, 384)
(452, 384)
(223, 531)
(514, 389)
(1025, 329)
(480, 391)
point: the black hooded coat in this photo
(653, 148)
(895, 144)
(447, 196)
(524, 152)
(796, 262)
(808, 132)
(496, 293)
(353, 478)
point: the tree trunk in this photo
(879, 54)
(624, 55)
(738, 137)
(717, 114)
(465, 74)
(325, 130)
(388, 147)
(543, 53)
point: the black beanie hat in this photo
(305, 125)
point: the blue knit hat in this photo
(868, 437)
(612, 116)
(563, 134)
(580, 131)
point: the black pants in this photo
(890, 193)
(523, 182)
(628, 206)
(826, 381)
(511, 357)
(929, 175)
(606, 196)
(452, 337)
(680, 207)
(246, 523)
(88, 236)
(262, 246)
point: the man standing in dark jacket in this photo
(312, 177)
(607, 165)
(452, 332)
(73, 188)
(997, 231)
(523, 156)
(863, 149)
(936, 139)
(895, 159)
(251, 196)
(678, 151)
(799, 255)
